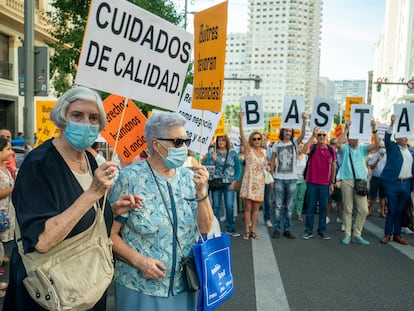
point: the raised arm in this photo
(303, 130)
(342, 139)
(306, 146)
(243, 138)
(377, 140)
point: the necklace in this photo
(82, 165)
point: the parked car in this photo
(20, 155)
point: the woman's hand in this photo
(126, 202)
(103, 178)
(151, 268)
(200, 180)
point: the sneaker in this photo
(269, 223)
(300, 218)
(405, 230)
(346, 240)
(338, 220)
(234, 234)
(307, 236)
(324, 236)
(327, 220)
(288, 234)
(276, 234)
(360, 240)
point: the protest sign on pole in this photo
(210, 28)
(131, 52)
(404, 120)
(252, 107)
(361, 117)
(196, 119)
(323, 113)
(350, 101)
(293, 108)
(43, 109)
(131, 140)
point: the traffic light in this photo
(257, 82)
(379, 82)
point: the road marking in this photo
(407, 250)
(270, 293)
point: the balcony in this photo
(6, 70)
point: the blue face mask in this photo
(176, 157)
(81, 135)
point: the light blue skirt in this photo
(130, 300)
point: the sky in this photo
(350, 30)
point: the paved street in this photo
(319, 275)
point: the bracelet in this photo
(202, 199)
(374, 132)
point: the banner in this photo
(131, 52)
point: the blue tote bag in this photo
(214, 269)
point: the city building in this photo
(394, 59)
(282, 46)
(12, 37)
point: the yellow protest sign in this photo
(43, 108)
(47, 131)
(349, 102)
(210, 28)
(275, 122)
(221, 127)
(131, 140)
(273, 137)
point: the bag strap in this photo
(352, 164)
(225, 162)
(166, 209)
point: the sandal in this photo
(246, 236)
(255, 236)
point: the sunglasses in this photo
(178, 142)
(319, 135)
(257, 138)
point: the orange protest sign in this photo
(131, 140)
(339, 130)
(273, 137)
(48, 130)
(349, 102)
(210, 29)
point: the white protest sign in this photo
(293, 108)
(234, 136)
(323, 113)
(131, 52)
(404, 121)
(197, 119)
(361, 117)
(382, 128)
(253, 112)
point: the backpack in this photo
(310, 155)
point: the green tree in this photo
(68, 20)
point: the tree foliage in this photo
(68, 20)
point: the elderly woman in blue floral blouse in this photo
(147, 271)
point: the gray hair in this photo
(159, 125)
(58, 113)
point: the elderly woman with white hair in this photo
(60, 190)
(151, 242)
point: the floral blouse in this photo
(149, 229)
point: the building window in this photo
(6, 69)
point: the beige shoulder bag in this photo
(74, 274)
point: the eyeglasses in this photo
(178, 142)
(320, 134)
(257, 138)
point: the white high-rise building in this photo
(282, 46)
(394, 59)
